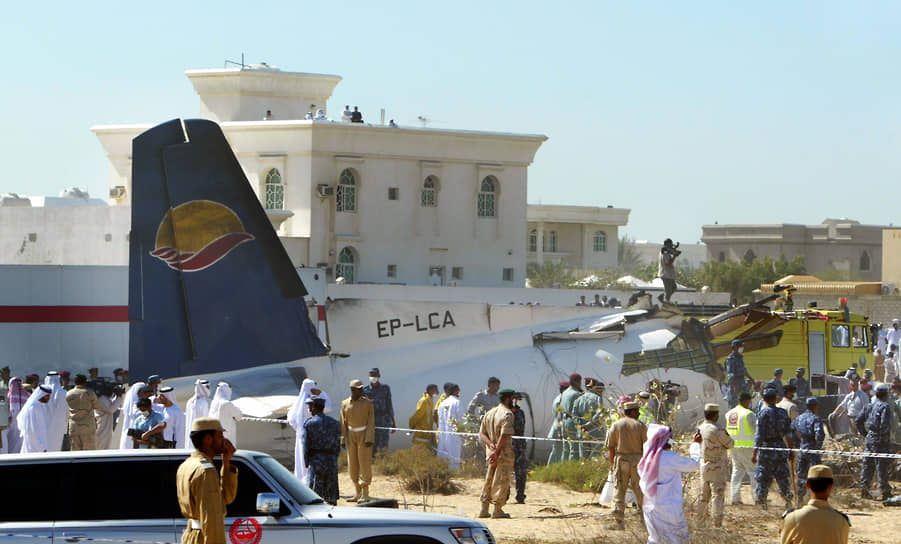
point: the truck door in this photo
(243, 525)
(816, 359)
(119, 499)
(30, 501)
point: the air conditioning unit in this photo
(888, 288)
(117, 192)
(325, 190)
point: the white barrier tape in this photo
(815, 452)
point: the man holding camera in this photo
(148, 426)
(204, 492)
(666, 268)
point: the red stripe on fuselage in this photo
(63, 314)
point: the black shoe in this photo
(520, 500)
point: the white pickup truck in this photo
(129, 497)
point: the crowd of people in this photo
(90, 412)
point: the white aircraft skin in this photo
(469, 361)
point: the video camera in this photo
(105, 387)
(671, 249)
(155, 441)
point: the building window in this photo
(346, 195)
(488, 197)
(722, 257)
(347, 266)
(457, 273)
(533, 240)
(599, 241)
(430, 192)
(392, 270)
(864, 262)
(393, 193)
(550, 243)
(749, 256)
(275, 190)
(508, 274)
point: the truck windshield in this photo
(301, 493)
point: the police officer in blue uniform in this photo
(875, 422)
(773, 427)
(809, 430)
(776, 383)
(380, 395)
(736, 373)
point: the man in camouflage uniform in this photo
(572, 449)
(773, 426)
(590, 416)
(380, 395)
(484, 400)
(776, 383)
(556, 431)
(496, 433)
(736, 373)
(875, 423)
(521, 462)
(715, 444)
(322, 445)
(802, 384)
(809, 430)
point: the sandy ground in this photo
(552, 514)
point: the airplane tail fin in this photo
(211, 287)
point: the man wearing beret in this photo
(322, 446)
(801, 383)
(776, 383)
(496, 433)
(875, 423)
(715, 446)
(817, 522)
(809, 429)
(204, 492)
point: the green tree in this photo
(741, 278)
(627, 255)
(549, 274)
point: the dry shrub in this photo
(419, 470)
(578, 475)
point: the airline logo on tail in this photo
(198, 234)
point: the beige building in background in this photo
(837, 247)
(583, 237)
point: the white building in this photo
(585, 238)
(370, 202)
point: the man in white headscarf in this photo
(58, 418)
(450, 415)
(16, 399)
(197, 406)
(298, 414)
(33, 421)
(660, 471)
(174, 433)
(223, 409)
(128, 415)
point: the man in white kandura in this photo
(450, 414)
(197, 406)
(128, 415)
(34, 419)
(297, 416)
(660, 470)
(223, 409)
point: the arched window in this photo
(749, 256)
(347, 266)
(346, 195)
(430, 192)
(864, 262)
(488, 197)
(533, 241)
(275, 190)
(599, 241)
(550, 242)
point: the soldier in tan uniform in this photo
(82, 425)
(788, 401)
(624, 448)
(715, 444)
(496, 433)
(204, 492)
(817, 522)
(358, 434)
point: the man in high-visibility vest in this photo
(741, 423)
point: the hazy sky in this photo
(685, 112)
